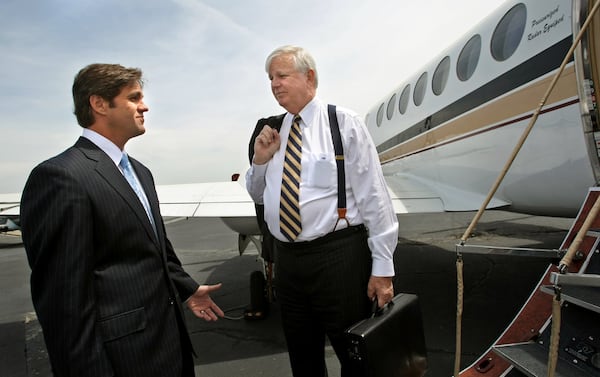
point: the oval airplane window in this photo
(440, 76)
(420, 88)
(468, 58)
(380, 115)
(390, 107)
(404, 97)
(508, 33)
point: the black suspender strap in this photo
(339, 160)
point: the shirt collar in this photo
(310, 110)
(103, 143)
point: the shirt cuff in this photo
(382, 268)
(259, 170)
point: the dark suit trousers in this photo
(321, 286)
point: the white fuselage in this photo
(457, 142)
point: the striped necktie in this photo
(290, 223)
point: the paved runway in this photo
(495, 288)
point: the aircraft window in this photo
(390, 107)
(440, 76)
(404, 97)
(508, 33)
(469, 58)
(420, 88)
(380, 115)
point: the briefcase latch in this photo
(354, 350)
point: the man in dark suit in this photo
(106, 284)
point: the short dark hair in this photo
(104, 80)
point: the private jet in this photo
(507, 117)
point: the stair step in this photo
(586, 297)
(582, 290)
(531, 359)
(593, 233)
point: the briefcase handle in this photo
(376, 311)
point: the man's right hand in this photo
(266, 144)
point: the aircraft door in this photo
(587, 67)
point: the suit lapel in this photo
(148, 186)
(107, 169)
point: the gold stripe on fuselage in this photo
(524, 100)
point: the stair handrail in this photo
(566, 260)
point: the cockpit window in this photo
(468, 58)
(508, 33)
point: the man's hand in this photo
(202, 305)
(380, 287)
(266, 144)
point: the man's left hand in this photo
(202, 305)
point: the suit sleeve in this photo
(184, 283)
(259, 126)
(56, 219)
(273, 122)
(268, 248)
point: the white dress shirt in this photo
(103, 143)
(367, 199)
(110, 149)
(115, 155)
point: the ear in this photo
(98, 104)
(311, 76)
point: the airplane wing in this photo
(226, 200)
(9, 211)
(214, 199)
(411, 194)
(9, 204)
(229, 201)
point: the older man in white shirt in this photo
(328, 271)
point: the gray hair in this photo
(303, 60)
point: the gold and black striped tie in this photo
(289, 207)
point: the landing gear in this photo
(259, 304)
(261, 282)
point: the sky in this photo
(203, 64)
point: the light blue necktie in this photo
(125, 166)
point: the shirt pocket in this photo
(322, 171)
(120, 325)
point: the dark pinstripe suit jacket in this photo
(106, 290)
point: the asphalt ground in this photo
(496, 286)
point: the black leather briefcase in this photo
(391, 343)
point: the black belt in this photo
(333, 236)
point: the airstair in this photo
(558, 328)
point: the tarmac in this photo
(496, 286)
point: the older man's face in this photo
(292, 89)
